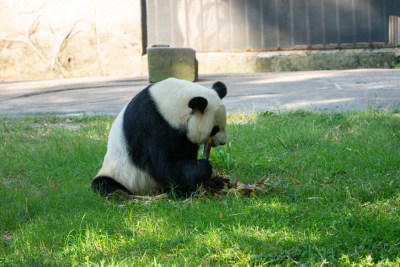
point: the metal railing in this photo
(228, 25)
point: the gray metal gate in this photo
(228, 25)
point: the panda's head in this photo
(208, 117)
(193, 108)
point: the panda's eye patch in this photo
(214, 131)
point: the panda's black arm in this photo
(195, 173)
(186, 174)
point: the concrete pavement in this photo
(325, 91)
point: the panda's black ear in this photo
(198, 103)
(220, 88)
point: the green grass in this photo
(336, 199)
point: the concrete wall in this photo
(49, 39)
(45, 39)
(302, 60)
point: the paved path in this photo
(344, 90)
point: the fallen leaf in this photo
(205, 262)
(295, 181)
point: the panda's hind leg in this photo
(105, 185)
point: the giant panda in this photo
(154, 140)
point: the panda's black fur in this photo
(105, 185)
(176, 162)
(158, 148)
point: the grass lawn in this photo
(336, 197)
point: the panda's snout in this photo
(220, 139)
(218, 143)
(215, 143)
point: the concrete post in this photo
(165, 62)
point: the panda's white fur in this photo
(155, 138)
(118, 165)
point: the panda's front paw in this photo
(204, 170)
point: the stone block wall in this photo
(47, 39)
